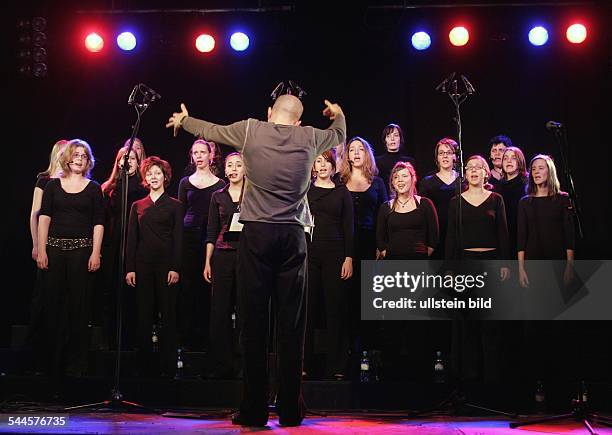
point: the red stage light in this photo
(576, 33)
(459, 36)
(94, 42)
(205, 43)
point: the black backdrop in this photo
(358, 56)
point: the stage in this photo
(356, 423)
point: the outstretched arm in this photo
(336, 133)
(233, 135)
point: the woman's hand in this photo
(347, 268)
(173, 277)
(42, 261)
(523, 278)
(94, 262)
(130, 278)
(207, 273)
(504, 273)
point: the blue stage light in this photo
(126, 41)
(538, 36)
(239, 41)
(421, 40)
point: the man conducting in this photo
(278, 157)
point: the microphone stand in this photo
(146, 97)
(560, 133)
(450, 86)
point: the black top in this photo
(512, 191)
(483, 226)
(545, 227)
(367, 203)
(155, 232)
(222, 208)
(332, 209)
(385, 163)
(404, 234)
(196, 202)
(73, 215)
(41, 181)
(112, 207)
(440, 193)
(494, 181)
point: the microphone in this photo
(554, 125)
(468, 86)
(149, 93)
(442, 86)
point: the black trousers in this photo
(476, 345)
(364, 334)
(36, 330)
(110, 286)
(153, 295)
(194, 293)
(67, 298)
(272, 264)
(329, 293)
(222, 302)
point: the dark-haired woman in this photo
(330, 265)
(220, 268)
(512, 188)
(105, 313)
(393, 138)
(441, 186)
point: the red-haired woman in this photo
(330, 264)
(153, 262)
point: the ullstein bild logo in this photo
(412, 282)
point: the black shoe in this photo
(239, 420)
(289, 422)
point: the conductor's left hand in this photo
(177, 118)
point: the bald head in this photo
(287, 109)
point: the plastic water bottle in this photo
(179, 363)
(155, 339)
(439, 369)
(364, 375)
(540, 398)
(584, 393)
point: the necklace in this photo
(403, 204)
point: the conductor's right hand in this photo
(177, 118)
(332, 110)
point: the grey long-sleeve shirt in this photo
(277, 159)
